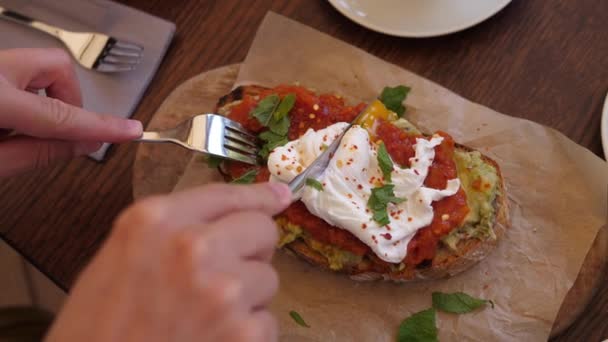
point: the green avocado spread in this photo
(480, 182)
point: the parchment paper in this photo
(556, 189)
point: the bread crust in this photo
(446, 263)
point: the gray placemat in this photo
(116, 94)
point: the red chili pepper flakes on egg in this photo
(387, 236)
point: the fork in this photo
(94, 51)
(211, 134)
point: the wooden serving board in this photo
(158, 168)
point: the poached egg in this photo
(349, 179)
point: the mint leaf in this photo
(265, 108)
(272, 112)
(269, 136)
(281, 126)
(313, 183)
(393, 98)
(385, 162)
(272, 141)
(285, 106)
(298, 319)
(419, 327)
(247, 178)
(213, 161)
(378, 202)
(457, 302)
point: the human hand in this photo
(53, 127)
(191, 266)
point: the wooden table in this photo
(546, 61)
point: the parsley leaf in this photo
(378, 202)
(213, 161)
(247, 178)
(393, 98)
(419, 327)
(381, 216)
(385, 162)
(285, 106)
(298, 319)
(457, 302)
(313, 183)
(265, 108)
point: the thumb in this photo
(25, 153)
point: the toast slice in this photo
(448, 261)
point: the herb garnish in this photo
(213, 161)
(419, 327)
(313, 183)
(265, 108)
(379, 200)
(272, 112)
(458, 302)
(385, 162)
(247, 178)
(298, 319)
(393, 98)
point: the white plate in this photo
(604, 125)
(418, 18)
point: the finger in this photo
(50, 69)
(244, 234)
(24, 153)
(212, 201)
(260, 283)
(44, 117)
(260, 326)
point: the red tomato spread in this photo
(319, 111)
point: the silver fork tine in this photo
(238, 136)
(128, 46)
(120, 60)
(245, 158)
(237, 145)
(112, 67)
(124, 53)
(235, 126)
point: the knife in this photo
(316, 168)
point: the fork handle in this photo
(25, 20)
(161, 137)
(154, 137)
